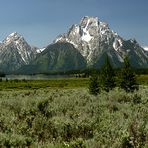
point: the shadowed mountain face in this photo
(56, 57)
(84, 45)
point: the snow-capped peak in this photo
(12, 37)
(93, 37)
(14, 34)
(18, 43)
(87, 35)
(89, 20)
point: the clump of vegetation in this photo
(136, 136)
(2, 74)
(61, 113)
(73, 118)
(104, 81)
(128, 79)
(107, 76)
(94, 87)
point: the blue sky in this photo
(40, 21)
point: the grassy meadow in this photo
(61, 113)
(55, 83)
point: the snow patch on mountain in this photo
(145, 48)
(86, 36)
(117, 44)
(40, 50)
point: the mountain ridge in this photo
(93, 37)
(89, 42)
(56, 57)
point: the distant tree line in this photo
(89, 71)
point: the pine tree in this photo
(94, 85)
(107, 79)
(128, 78)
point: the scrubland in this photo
(66, 115)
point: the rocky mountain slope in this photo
(15, 52)
(84, 45)
(93, 38)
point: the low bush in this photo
(73, 118)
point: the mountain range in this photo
(84, 45)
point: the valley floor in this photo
(71, 117)
(54, 83)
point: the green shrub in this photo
(78, 143)
(137, 99)
(42, 106)
(94, 85)
(124, 99)
(51, 117)
(135, 138)
(7, 140)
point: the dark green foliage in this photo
(42, 106)
(9, 141)
(124, 99)
(2, 74)
(137, 99)
(128, 78)
(94, 85)
(6, 80)
(107, 79)
(126, 143)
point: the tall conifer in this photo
(94, 84)
(128, 78)
(107, 79)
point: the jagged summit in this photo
(93, 38)
(88, 36)
(14, 52)
(14, 34)
(17, 41)
(13, 37)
